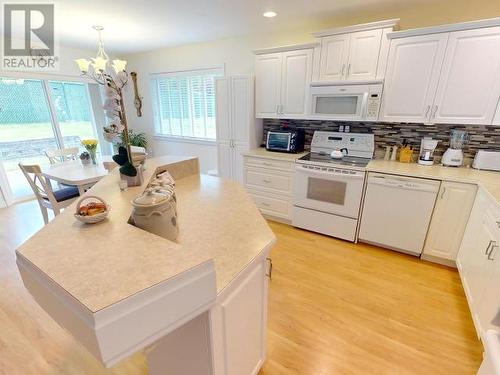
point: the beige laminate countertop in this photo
(263, 153)
(490, 181)
(104, 263)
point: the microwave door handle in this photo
(364, 104)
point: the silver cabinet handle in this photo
(434, 110)
(488, 248)
(343, 68)
(266, 181)
(281, 109)
(269, 272)
(491, 255)
(427, 112)
(444, 191)
(498, 224)
(348, 69)
(266, 163)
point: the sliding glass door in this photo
(36, 116)
(26, 130)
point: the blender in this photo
(454, 156)
(427, 147)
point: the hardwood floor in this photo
(334, 308)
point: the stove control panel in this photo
(357, 144)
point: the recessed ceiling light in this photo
(270, 14)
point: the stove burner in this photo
(322, 157)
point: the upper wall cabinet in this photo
(411, 79)
(443, 77)
(352, 53)
(282, 81)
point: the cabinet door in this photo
(469, 86)
(224, 159)
(223, 109)
(364, 49)
(241, 106)
(239, 324)
(472, 259)
(237, 161)
(489, 306)
(449, 219)
(412, 77)
(295, 81)
(334, 56)
(267, 85)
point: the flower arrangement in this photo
(91, 147)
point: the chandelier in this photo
(98, 67)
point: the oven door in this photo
(330, 190)
(339, 102)
(277, 141)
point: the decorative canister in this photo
(156, 212)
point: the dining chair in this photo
(48, 198)
(64, 154)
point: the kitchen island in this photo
(197, 305)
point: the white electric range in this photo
(327, 192)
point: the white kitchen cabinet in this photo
(353, 52)
(449, 219)
(235, 124)
(413, 69)
(282, 81)
(334, 57)
(268, 84)
(364, 49)
(443, 77)
(295, 81)
(351, 56)
(241, 348)
(269, 181)
(469, 84)
(477, 260)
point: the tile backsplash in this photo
(389, 134)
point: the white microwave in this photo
(349, 101)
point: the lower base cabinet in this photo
(449, 219)
(478, 262)
(239, 322)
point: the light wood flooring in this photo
(334, 308)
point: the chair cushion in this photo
(66, 193)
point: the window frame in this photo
(159, 134)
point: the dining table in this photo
(74, 173)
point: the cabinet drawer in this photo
(259, 178)
(269, 163)
(272, 205)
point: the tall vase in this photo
(93, 156)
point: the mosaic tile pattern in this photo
(390, 134)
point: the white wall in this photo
(234, 54)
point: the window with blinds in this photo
(185, 104)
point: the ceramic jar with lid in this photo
(156, 212)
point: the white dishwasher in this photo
(397, 211)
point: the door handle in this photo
(266, 181)
(269, 273)
(434, 110)
(491, 255)
(427, 112)
(488, 248)
(348, 69)
(343, 69)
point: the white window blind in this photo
(186, 103)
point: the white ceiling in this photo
(141, 25)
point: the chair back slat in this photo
(62, 155)
(40, 186)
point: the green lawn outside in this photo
(22, 132)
